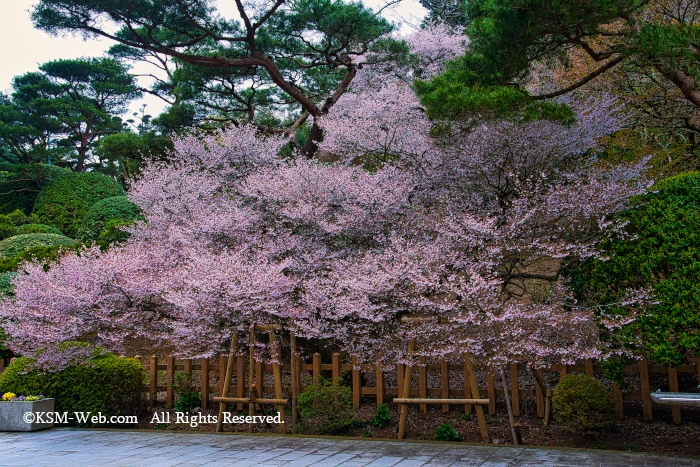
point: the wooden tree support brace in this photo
(227, 381)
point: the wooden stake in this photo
(204, 378)
(227, 379)
(646, 390)
(475, 393)
(491, 391)
(467, 388)
(423, 383)
(153, 382)
(515, 389)
(673, 387)
(444, 384)
(510, 412)
(277, 376)
(356, 384)
(406, 391)
(539, 392)
(240, 379)
(380, 384)
(251, 375)
(295, 376)
(617, 395)
(170, 378)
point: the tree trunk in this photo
(310, 147)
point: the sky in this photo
(25, 47)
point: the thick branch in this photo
(586, 79)
(685, 83)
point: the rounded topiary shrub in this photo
(108, 384)
(115, 208)
(15, 245)
(37, 228)
(583, 405)
(65, 202)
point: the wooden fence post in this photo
(617, 395)
(588, 364)
(399, 377)
(515, 389)
(153, 380)
(380, 384)
(646, 390)
(240, 380)
(204, 378)
(673, 387)
(188, 367)
(423, 383)
(294, 363)
(444, 384)
(170, 378)
(316, 368)
(405, 383)
(356, 384)
(335, 365)
(491, 391)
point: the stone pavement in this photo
(67, 447)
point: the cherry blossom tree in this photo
(470, 229)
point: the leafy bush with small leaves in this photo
(107, 383)
(46, 254)
(325, 407)
(37, 228)
(186, 393)
(382, 417)
(116, 208)
(582, 405)
(65, 201)
(21, 185)
(446, 432)
(19, 243)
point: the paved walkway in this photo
(74, 448)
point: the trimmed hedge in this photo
(65, 202)
(661, 252)
(115, 208)
(37, 228)
(23, 184)
(582, 405)
(14, 246)
(108, 384)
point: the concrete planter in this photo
(12, 415)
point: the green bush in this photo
(37, 228)
(187, 396)
(108, 384)
(325, 407)
(21, 185)
(19, 243)
(65, 201)
(116, 208)
(446, 432)
(659, 251)
(45, 254)
(382, 417)
(582, 405)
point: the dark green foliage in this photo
(19, 243)
(125, 153)
(21, 184)
(117, 208)
(186, 393)
(382, 417)
(661, 251)
(37, 228)
(108, 384)
(65, 202)
(45, 254)
(583, 405)
(325, 407)
(446, 432)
